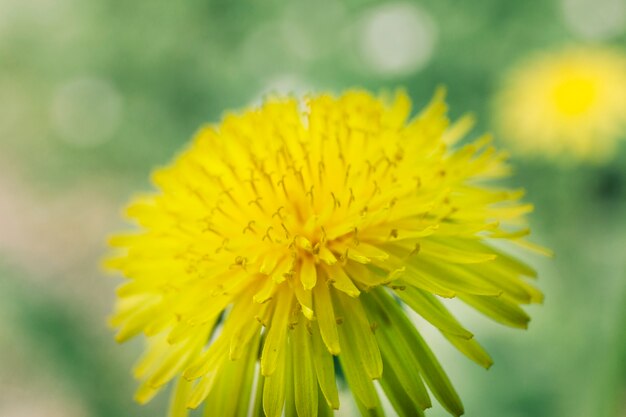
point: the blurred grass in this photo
(62, 341)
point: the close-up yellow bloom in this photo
(568, 105)
(281, 249)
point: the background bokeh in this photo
(93, 94)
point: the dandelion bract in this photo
(298, 233)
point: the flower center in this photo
(574, 96)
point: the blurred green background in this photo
(93, 94)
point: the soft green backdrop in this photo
(95, 93)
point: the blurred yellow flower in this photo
(286, 236)
(569, 104)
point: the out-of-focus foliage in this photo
(93, 94)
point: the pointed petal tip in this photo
(308, 313)
(334, 349)
(121, 338)
(266, 370)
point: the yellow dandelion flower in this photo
(570, 104)
(286, 236)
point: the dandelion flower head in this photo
(568, 105)
(281, 249)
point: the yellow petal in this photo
(499, 309)
(304, 378)
(431, 309)
(327, 256)
(358, 380)
(305, 299)
(357, 330)
(324, 368)
(326, 317)
(308, 273)
(178, 402)
(266, 291)
(277, 334)
(201, 390)
(274, 387)
(340, 280)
